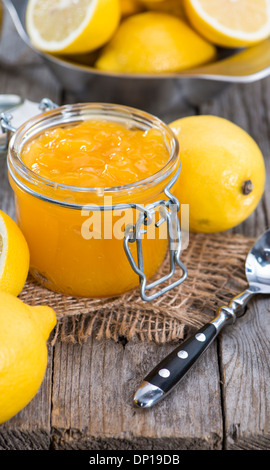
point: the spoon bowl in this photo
(258, 265)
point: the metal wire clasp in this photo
(134, 232)
(18, 113)
(6, 129)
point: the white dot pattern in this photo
(200, 337)
(164, 373)
(182, 354)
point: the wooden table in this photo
(85, 401)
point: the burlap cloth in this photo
(216, 272)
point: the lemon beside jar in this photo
(24, 329)
(223, 172)
(23, 352)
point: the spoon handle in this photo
(172, 368)
(161, 380)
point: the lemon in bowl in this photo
(130, 7)
(174, 7)
(230, 23)
(154, 42)
(68, 27)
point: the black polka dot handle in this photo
(161, 380)
(172, 369)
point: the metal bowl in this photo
(160, 93)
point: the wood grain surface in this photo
(85, 401)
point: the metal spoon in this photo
(160, 381)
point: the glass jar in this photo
(97, 242)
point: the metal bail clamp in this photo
(19, 114)
(7, 130)
(133, 234)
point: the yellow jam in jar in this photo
(96, 154)
(69, 179)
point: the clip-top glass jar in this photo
(80, 243)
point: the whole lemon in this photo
(23, 352)
(223, 173)
(154, 42)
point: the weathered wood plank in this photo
(246, 370)
(93, 390)
(244, 347)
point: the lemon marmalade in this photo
(96, 154)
